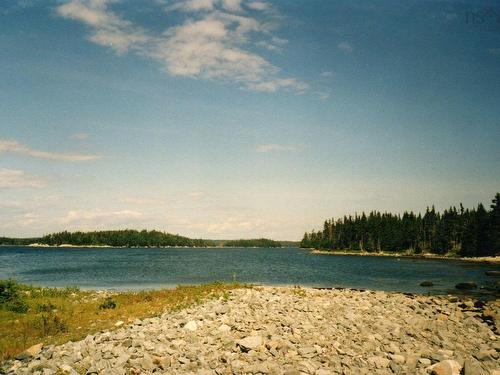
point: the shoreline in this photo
(69, 246)
(279, 330)
(487, 260)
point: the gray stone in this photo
(250, 343)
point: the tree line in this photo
(465, 232)
(126, 238)
(259, 242)
(132, 238)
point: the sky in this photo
(228, 119)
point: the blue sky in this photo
(243, 118)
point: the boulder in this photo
(493, 273)
(249, 343)
(466, 286)
(447, 367)
(32, 351)
(426, 283)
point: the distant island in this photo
(455, 232)
(132, 238)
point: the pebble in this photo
(285, 331)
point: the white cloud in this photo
(278, 148)
(276, 84)
(345, 46)
(232, 5)
(268, 46)
(280, 41)
(108, 28)
(140, 200)
(232, 224)
(327, 74)
(193, 5)
(196, 194)
(323, 95)
(14, 147)
(258, 5)
(99, 217)
(80, 136)
(13, 178)
(210, 44)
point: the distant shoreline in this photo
(69, 246)
(490, 260)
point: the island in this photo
(131, 238)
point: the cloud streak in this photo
(278, 148)
(14, 178)
(14, 147)
(212, 42)
(346, 47)
(99, 217)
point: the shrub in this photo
(10, 298)
(42, 307)
(8, 291)
(17, 305)
(108, 304)
(50, 324)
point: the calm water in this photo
(154, 268)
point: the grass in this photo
(58, 315)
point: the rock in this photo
(378, 362)
(472, 367)
(398, 358)
(280, 331)
(32, 351)
(224, 328)
(68, 370)
(249, 343)
(486, 355)
(447, 367)
(184, 360)
(23, 356)
(191, 326)
(308, 351)
(119, 323)
(425, 361)
(426, 283)
(466, 286)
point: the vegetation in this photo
(260, 242)
(55, 315)
(127, 238)
(18, 241)
(132, 238)
(465, 232)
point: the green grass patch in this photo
(29, 314)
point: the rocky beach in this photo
(290, 331)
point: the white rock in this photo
(224, 328)
(250, 343)
(191, 326)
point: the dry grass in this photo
(56, 315)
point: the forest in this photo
(260, 242)
(126, 238)
(132, 238)
(465, 232)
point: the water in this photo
(126, 269)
